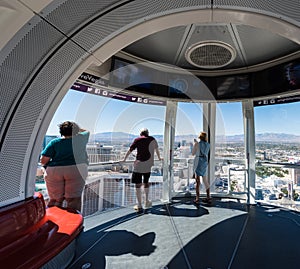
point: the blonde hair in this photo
(203, 136)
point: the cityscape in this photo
(108, 184)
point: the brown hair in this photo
(68, 128)
(203, 136)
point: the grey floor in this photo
(179, 235)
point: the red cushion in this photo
(31, 235)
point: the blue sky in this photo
(102, 114)
(282, 118)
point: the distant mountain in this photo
(112, 136)
(263, 137)
(277, 137)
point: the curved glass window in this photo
(277, 153)
(230, 174)
(189, 123)
(113, 125)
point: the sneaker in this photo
(137, 208)
(148, 204)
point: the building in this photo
(101, 153)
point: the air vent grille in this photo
(210, 55)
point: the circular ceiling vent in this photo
(210, 54)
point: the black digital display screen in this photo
(237, 86)
(279, 79)
(292, 72)
(137, 77)
(145, 79)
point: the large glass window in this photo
(230, 174)
(189, 123)
(113, 125)
(277, 137)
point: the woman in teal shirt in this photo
(66, 163)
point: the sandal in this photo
(196, 201)
(207, 200)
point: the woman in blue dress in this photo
(200, 151)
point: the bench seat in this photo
(31, 235)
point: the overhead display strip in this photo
(104, 92)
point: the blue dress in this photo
(201, 158)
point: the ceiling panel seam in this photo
(185, 39)
(236, 39)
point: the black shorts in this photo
(140, 177)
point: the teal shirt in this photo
(67, 151)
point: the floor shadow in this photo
(179, 210)
(95, 244)
(211, 249)
(265, 237)
(185, 207)
(110, 243)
